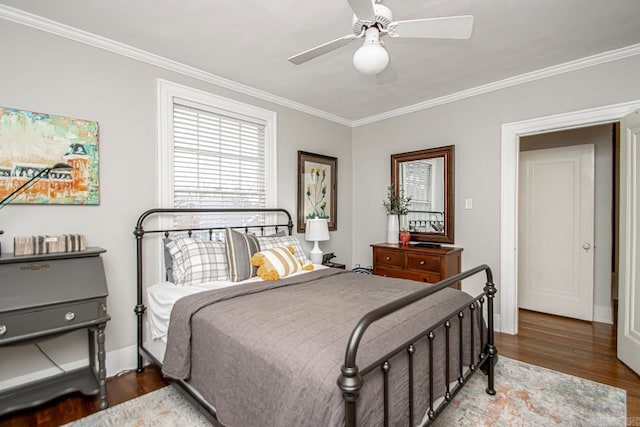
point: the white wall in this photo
(474, 126)
(602, 138)
(46, 73)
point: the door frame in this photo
(510, 148)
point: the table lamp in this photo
(317, 231)
(24, 187)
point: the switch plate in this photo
(468, 203)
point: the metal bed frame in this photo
(350, 380)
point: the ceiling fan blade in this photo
(388, 75)
(322, 49)
(451, 27)
(363, 9)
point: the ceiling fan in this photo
(373, 20)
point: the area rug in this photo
(527, 395)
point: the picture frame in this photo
(32, 142)
(317, 189)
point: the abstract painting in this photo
(317, 189)
(31, 142)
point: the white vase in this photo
(393, 229)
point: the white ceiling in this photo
(249, 41)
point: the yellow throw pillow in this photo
(275, 263)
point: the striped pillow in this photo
(240, 247)
(280, 260)
(197, 261)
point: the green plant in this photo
(396, 204)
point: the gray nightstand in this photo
(47, 295)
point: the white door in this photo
(556, 230)
(629, 267)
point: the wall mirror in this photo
(428, 177)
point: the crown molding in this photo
(589, 61)
(40, 23)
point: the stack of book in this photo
(35, 245)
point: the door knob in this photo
(586, 246)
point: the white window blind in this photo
(417, 178)
(215, 153)
(218, 158)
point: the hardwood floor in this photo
(75, 406)
(575, 347)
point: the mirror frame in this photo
(449, 180)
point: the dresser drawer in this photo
(44, 320)
(424, 262)
(389, 258)
(407, 274)
(419, 276)
(388, 272)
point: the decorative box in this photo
(34, 245)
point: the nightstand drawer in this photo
(389, 258)
(44, 320)
(424, 262)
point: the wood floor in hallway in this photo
(576, 347)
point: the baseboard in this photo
(602, 313)
(118, 361)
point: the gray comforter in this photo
(269, 353)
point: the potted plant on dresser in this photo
(395, 206)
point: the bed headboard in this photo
(258, 221)
(261, 226)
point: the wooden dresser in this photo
(423, 264)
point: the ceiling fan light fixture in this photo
(372, 57)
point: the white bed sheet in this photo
(162, 296)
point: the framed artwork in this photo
(317, 189)
(31, 142)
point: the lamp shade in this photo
(317, 230)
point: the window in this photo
(417, 181)
(215, 153)
(421, 178)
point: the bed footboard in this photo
(351, 379)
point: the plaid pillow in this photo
(197, 261)
(268, 242)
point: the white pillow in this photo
(268, 242)
(197, 261)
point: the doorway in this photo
(565, 217)
(510, 142)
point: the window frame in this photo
(167, 91)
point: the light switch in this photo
(468, 203)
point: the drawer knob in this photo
(3, 329)
(421, 262)
(388, 258)
(69, 316)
